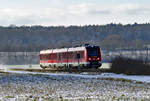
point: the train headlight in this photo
(90, 59)
(98, 58)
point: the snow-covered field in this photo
(35, 86)
(27, 86)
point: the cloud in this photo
(133, 9)
(88, 9)
(79, 9)
(28, 16)
(139, 11)
(99, 12)
(97, 9)
(15, 16)
(78, 13)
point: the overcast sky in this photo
(73, 12)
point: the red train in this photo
(69, 58)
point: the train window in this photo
(64, 55)
(81, 54)
(75, 55)
(43, 57)
(40, 56)
(78, 56)
(54, 56)
(59, 56)
(70, 54)
(48, 56)
(93, 51)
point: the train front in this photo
(93, 56)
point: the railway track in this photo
(64, 70)
(36, 68)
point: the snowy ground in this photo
(29, 86)
(35, 86)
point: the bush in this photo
(130, 66)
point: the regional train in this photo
(82, 57)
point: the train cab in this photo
(94, 56)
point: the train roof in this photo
(76, 49)
(62, 50)
(71, 49)
(46, 51)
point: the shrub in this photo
(130, 66)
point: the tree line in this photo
(110, 36)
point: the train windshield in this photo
(93, 51)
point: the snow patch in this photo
(140, 78)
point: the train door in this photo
(78, 58)
(46, 59)
(55, 59)
(43, 59)
(59, 59)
